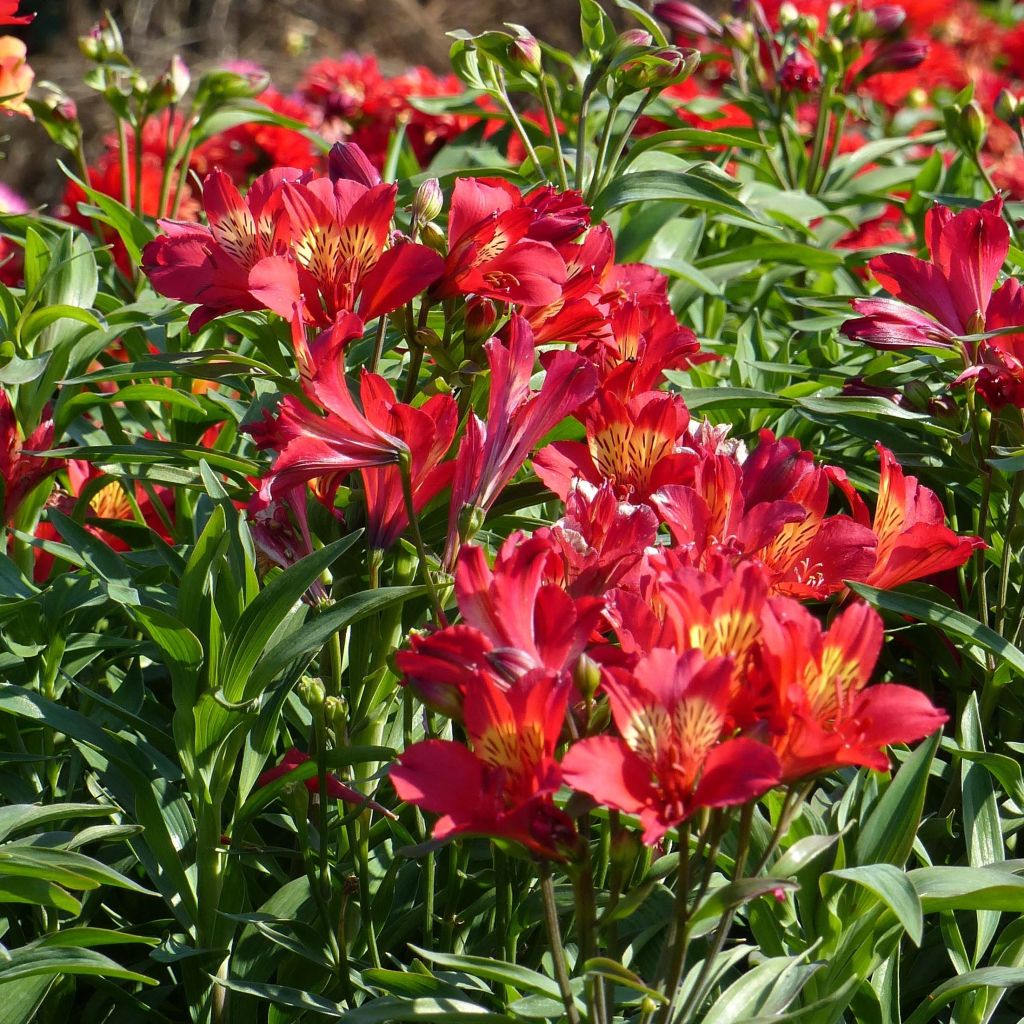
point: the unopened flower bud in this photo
(103, 42)
(972, 126)
(788, 15)
(625, 850)
(886, 20)
(481, 316)
(903, 55)
(799, 72)
(634, 37)
(180, 77)
(427, 202)
(433, 237)
(311, 693)
(524, 53)
(347, 162)
(687, 19)
(336, 716)
(587, 677)
(1007, 107)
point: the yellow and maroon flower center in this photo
(110, 502)
(627, 455)
(831, 684)
(236, 235)
(515, 750)
(728, 633)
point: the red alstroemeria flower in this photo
(954, 287)
(280, 539)
(717, 613)
(669, 759)
(490, 251)
(824, 715)
(639, 445)
(20, 470)
(910, 524)
(427, 431)
(9, 13)
(329, 440)
(770, 507)
(999, 361)
(218, 267)
(491, 453)
(501, 785)
(338, 254)
(535, 621)
(601, 539)
(336, 789)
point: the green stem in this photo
(1004, 566)
(378, 342)
(555, 134)
(581, 135)
(680, 935)
(499, 86)
(608, 172)
(547, 890)
(602, 149)
(410, 508)
(820, 134)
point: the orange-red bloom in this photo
(910, 525)
(501, 785)
(825, 715)
(670, 758)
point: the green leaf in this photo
(27, 961)
(687, 187)
(893, 888)
(887, 834)
(735, 894)
(986, 977)
(15, 817)
(313, 634)
(802, 853)
(518, 977)
(768, 988)
(949, 887)
(38, 892)
(265, 613)
(949, 620)
(982, 825)
(376, 1011)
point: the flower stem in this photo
(555, 134)
(547, 890)
(421, 550)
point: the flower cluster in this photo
(939, 302)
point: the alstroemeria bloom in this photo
(772, 507)
(490, 248)
(943, 298)
(329, 440)
(336, 789)
(16, 77)
(825, 714)
(501, 785)
(491, 453)
(639, 445)
(910, 524)
(9, 13)
(601, 539)
(535, 621)
(999, 361)
(669, 759)
(20, 470)
(218, 267)
(338, 254)
(427, 430)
